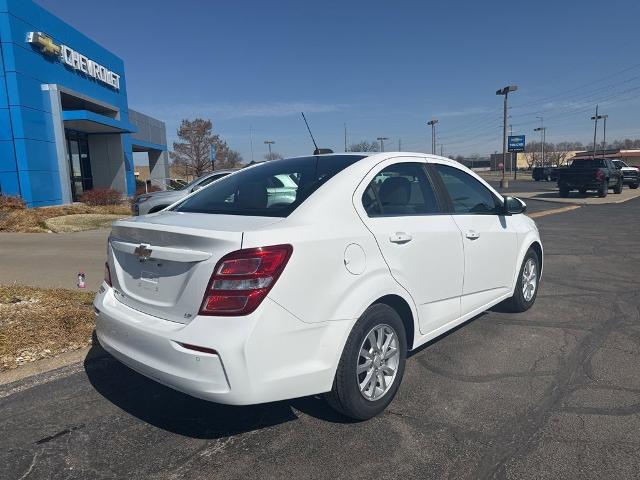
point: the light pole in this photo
(596, 117)
(269, 143)
(504, 183)
(604, 135)
(381, 140)
(543, 137)
(432, 123)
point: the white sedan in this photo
(231, 297)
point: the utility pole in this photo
(345, 137)
(504, 183)
(399, 144)
(543, 137)
(251, 140)
(604, 136)
(269, 143)
(596, 117)
(441, 150)
(381, 140)
(432, 123)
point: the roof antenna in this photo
(317, 151)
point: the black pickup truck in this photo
(598, 174)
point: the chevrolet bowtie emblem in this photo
(44, 42)
(143, 252)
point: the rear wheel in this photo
(564, 190)
(604, 188)
(526, 289)
(618, 187)
(372, 364)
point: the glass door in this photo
(80, 164)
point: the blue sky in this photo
(383, 68)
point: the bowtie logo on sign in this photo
(75, 60)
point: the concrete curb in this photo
(553, 211)
(49, 364)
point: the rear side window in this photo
(270, 189)
(467, 194)
(398, 190)
(588, 163)
(212, 178)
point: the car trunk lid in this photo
(161, 264)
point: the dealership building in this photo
(65, 122)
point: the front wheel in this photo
(634, 185)
(527, 285)
(371, 366)
(618, 187)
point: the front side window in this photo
(210, 179)
(400, 189)
(467, 194)
(270, 189)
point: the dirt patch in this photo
(80, 222)
(37, 323)
(34, 220)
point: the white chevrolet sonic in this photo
(240, 295)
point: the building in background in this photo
(65, 122)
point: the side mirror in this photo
(514, 206)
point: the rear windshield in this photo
(271, 189)
(588, 163)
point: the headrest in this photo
(395, 191)
(252, 195)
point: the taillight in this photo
(599, 175)
(107, 274)
(242, 279)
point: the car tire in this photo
(521, 301)
(618, 187)
(604, 189)
(634, 185)
(564, 190)
(379, 322)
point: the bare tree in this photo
(193, 152)
(364, 146)
(272, 156)
(228, 159)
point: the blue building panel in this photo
(9, 185)
(31, 124)
(7, 156)
(5, 125)
(35, 155)
(26, 91)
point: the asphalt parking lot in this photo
(551, 393)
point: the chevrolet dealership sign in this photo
(73, 59)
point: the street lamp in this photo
(597, 117)
(381, 140)
(432, 123)
(543, 136)
(504, 183)
(269, 143)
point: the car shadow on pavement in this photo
(179, 413)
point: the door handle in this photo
(472, 235)
(400, 238)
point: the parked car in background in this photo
(550, 174)
(253, 290)
(155, 201)
(630, 175)
(599, 174)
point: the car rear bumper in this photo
(266, 356)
